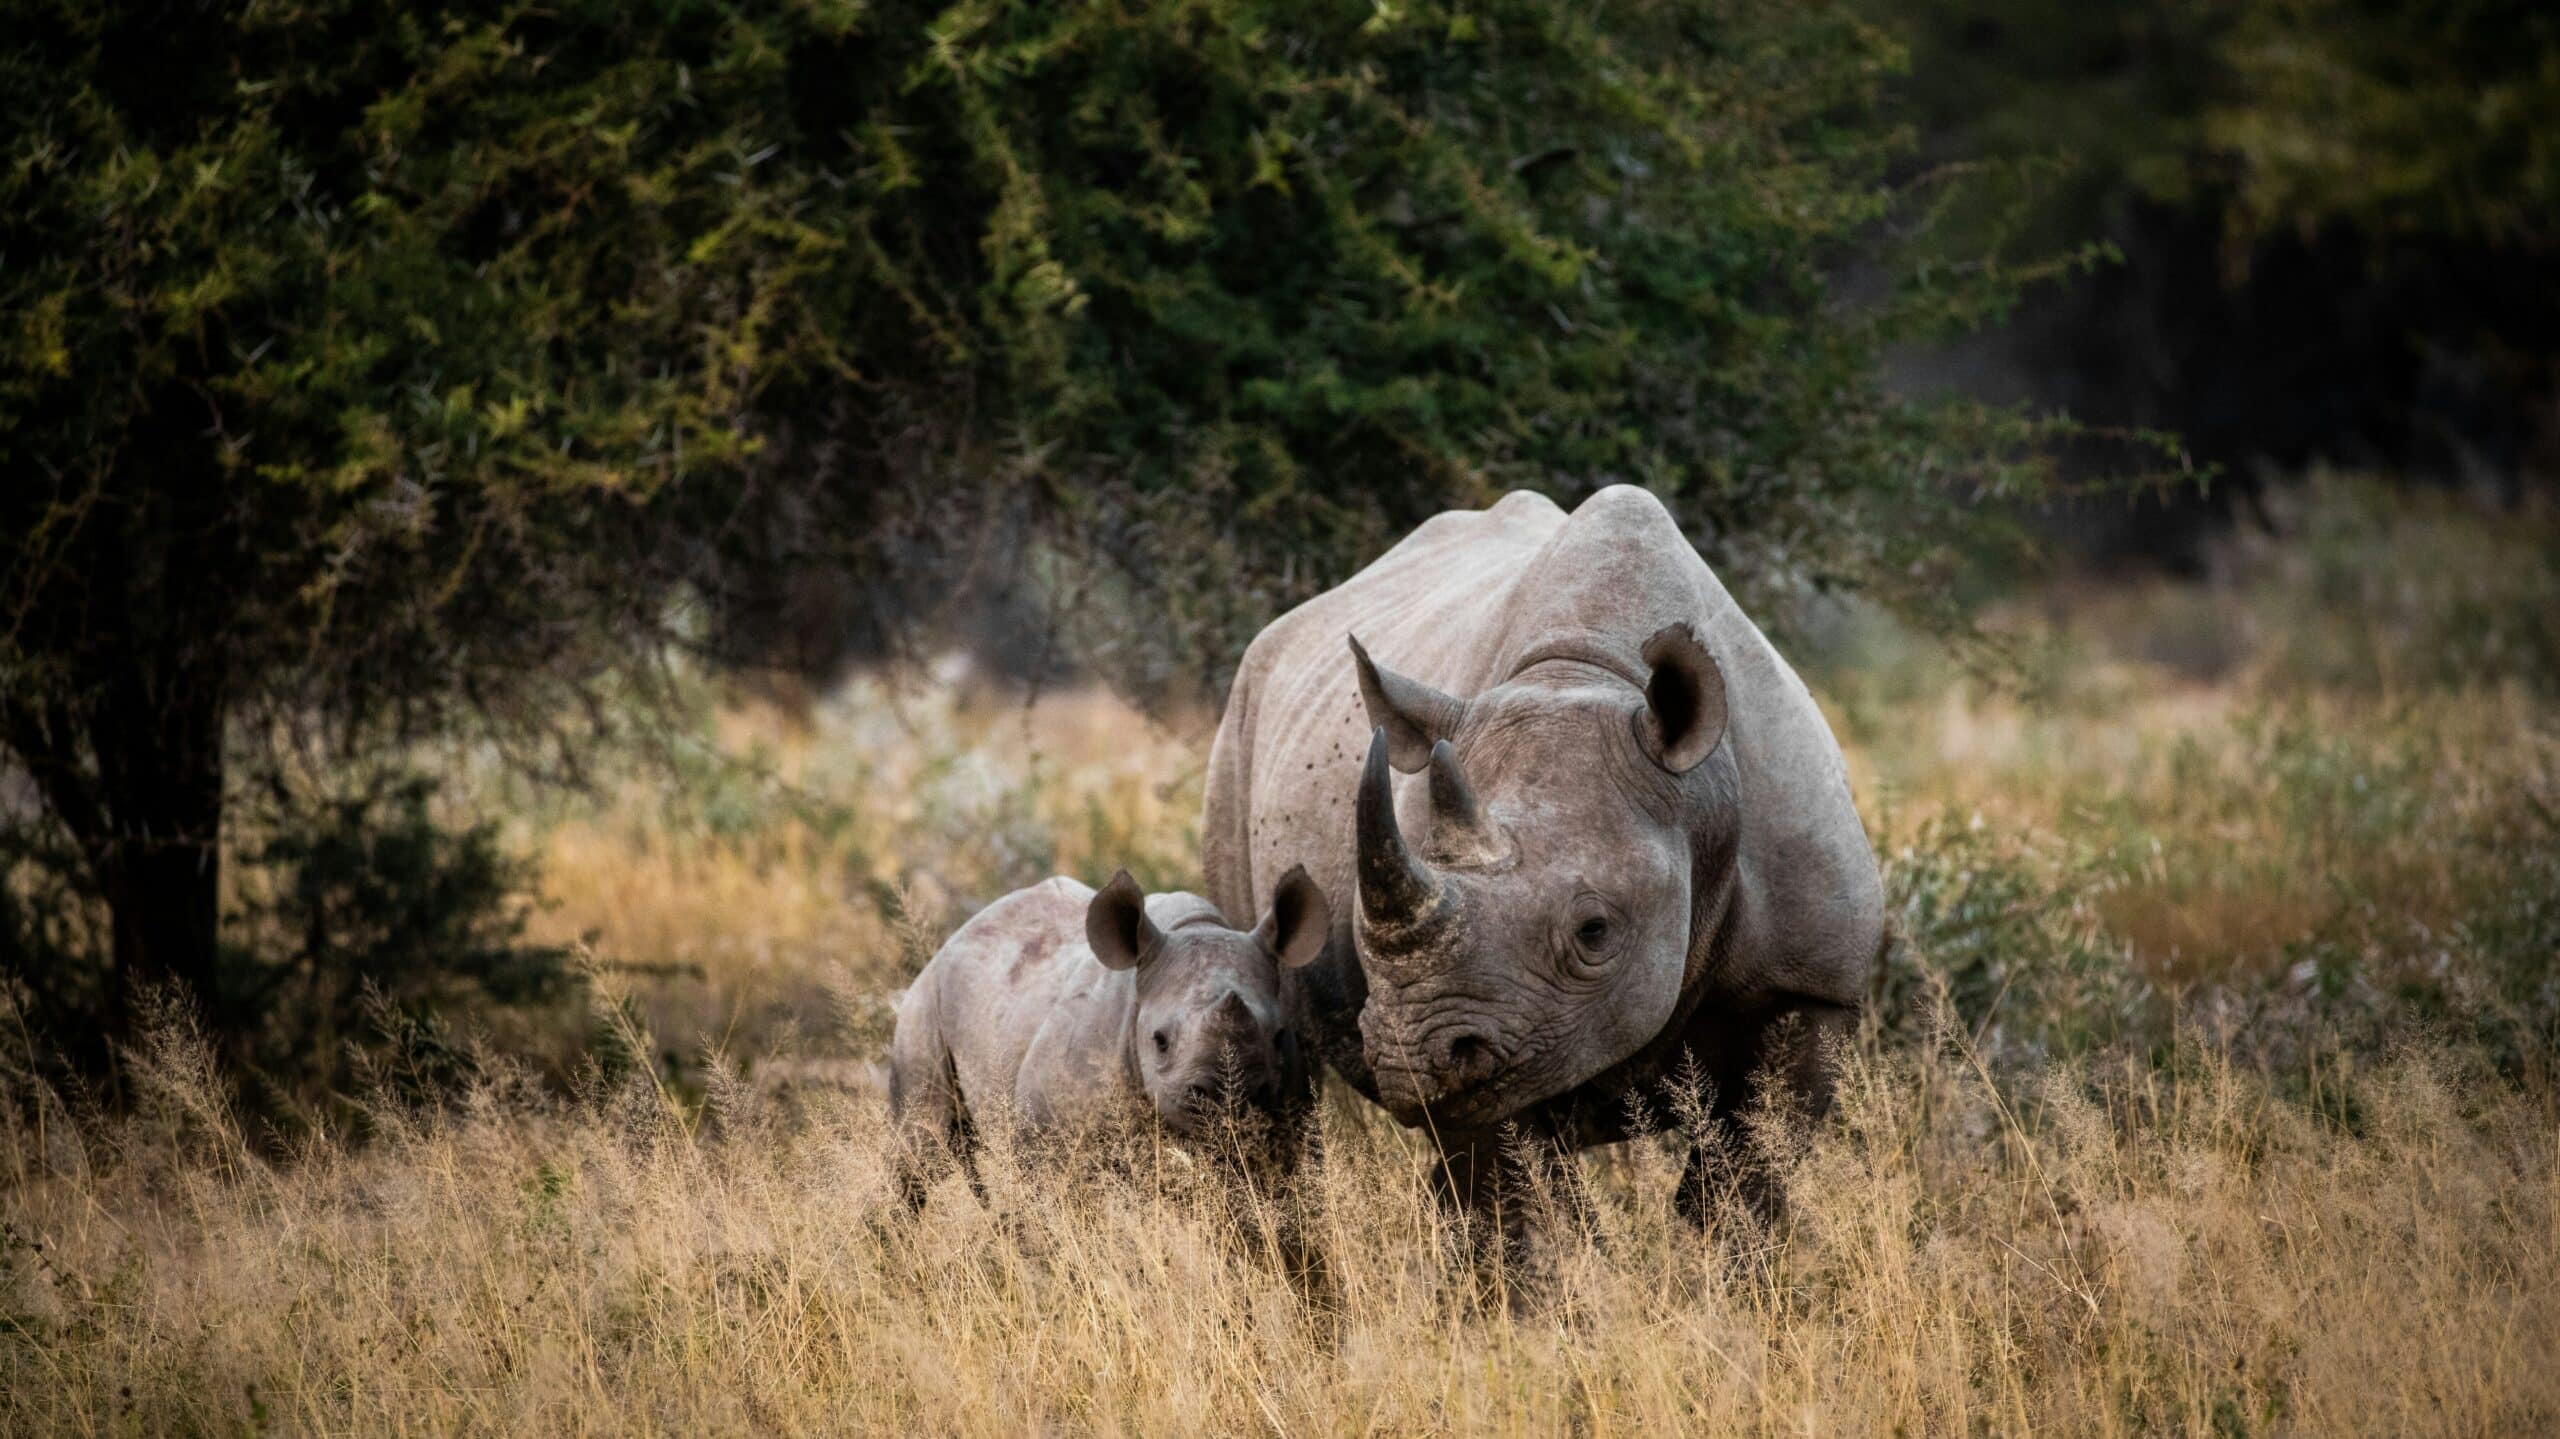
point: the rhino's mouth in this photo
(1476, 1109)
(1472, 1110)
(1478, 1087)
(1249, 1120)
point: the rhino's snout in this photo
(1237, 1066)
(1437, 1071)
(1208, 1098)
(1213, 1099)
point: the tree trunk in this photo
(143, 805)
(120, 666)
(160, 771)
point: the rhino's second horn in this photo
(1461, 831)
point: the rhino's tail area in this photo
(925, 1104)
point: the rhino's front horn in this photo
(1397, 890)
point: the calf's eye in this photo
(1161, 1043)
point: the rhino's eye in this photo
(1594, 936)
(1162, 1044)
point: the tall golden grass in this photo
(2119, 1251)
(2253, 804)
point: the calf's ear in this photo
(1299, 920)
(1683, 717)
(1413, 714)
(1117, 927)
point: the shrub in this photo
(365, 919)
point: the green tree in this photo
(364, 366)
(370, 370)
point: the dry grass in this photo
(2073, 1185)
(2136, 1252)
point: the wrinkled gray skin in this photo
(1079, 1011)
(1581, 821)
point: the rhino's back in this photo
(1016, 991)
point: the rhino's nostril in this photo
(1467, 1059)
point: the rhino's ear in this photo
(1684, 714)
(1117, 927)
(1299, 920)
(1414, 715)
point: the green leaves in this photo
(1427, 255)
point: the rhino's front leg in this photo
(1510, 1188)
(1735, 1168)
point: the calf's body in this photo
(1078, 1011)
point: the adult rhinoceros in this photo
(1625, 835)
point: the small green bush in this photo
(369, 918)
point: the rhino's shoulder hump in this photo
(1034, 905)
(1455, 558)
(1517, 511)
(1520, 520)
(1624, 504)
(1633, 526)
(1059, 887)
(1599, 582)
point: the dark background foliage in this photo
(2334, 223)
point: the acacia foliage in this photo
(436, 296)
(1301, 275)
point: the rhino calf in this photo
(1079, 1011)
